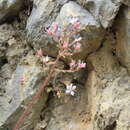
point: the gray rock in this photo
(105, 69)
(67, 113)
(91, 31)
(18, 95)
(9, 8)
(43, 14)
(108, 90)
(114, 106)
(126, 2)
(103, 10)
(6, 32)
(123, 36)
(110, 105)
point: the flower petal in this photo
(67, 91)
(68, 87)
(74, 87)
(72, 93)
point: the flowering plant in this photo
(69, 44)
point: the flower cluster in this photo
(69, 43)
(22, 80)
(70, 89)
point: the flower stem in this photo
(36, 96)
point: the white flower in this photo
(77, 39)
(73, 20)
(70, 89)
(46, 59)
(81, 64)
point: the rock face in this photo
(9, 8)
(123, 37)
(102, 98)
(113, 82)
(42, 15)
(69, 10)
(18, 95)
(103, 10)
(68, 112)
(89, 25)
(109, 110)
(126, 2)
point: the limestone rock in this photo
(109, 106)
(126, 2)
(6, 32)
(114, 105)
(104, 63)
(103, 10)
(91, 31)
(9, 8)
(43, 14)
(123, 36)
(68, 112)
(17, 96)
(108, 91)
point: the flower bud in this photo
(40, 53)
(65, 45)
(77, 47)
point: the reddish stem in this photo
(36, 96)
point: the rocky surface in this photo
(101, 100)
(89, 26)
(9, 9)
(112, 95)
(67, 12)
(123, 36)
(42, 15)
(103, 10)
(18, 95)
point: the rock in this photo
(105, 68)
(91, 31)
(6, 32)
(12, 45)
(5, 75)
(103, 10)
(126, 2)
(114, 105)
(68, 112)
(42, 15)
(9, 9)
(109, 105)
(18, 95)
(122, 28)
(108, 90)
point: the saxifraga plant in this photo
(68, 42)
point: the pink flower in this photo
(46, 59)
(70, 89)
(49, 31)
(65, 45)
(55, 27)
(81, 64)
(77, 47)
(40, 53)
(75, 23)
(22, 80)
